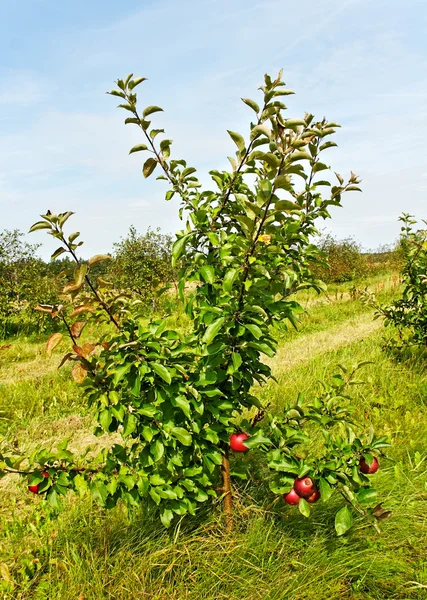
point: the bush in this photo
(409, 313)
(143, 262)
(343, 260)
(23, 277)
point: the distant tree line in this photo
(141, 266)
(345, 260)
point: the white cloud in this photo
(354, 61)
(21, 89)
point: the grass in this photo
(274, 553)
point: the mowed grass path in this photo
(87, 553)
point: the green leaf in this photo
(129, 424)
(36, 478)
(53, 499)
(157, 450)
(161, 371)
(304, 507)
(178, 248)
(165, 144)
(138, 148)
(154, 495)
(254, 329)
(265, 348)
(136, 81)
(99, 492)
(73, 236)
(367, 495)
(271, 160)
(286, 205)
(294, 123)
(105, 419)
(184, 405)
(182, 435)
(283, 92)
(150, 110)
(260, 130)
(155, 132)
(149, 166)
(117, 93)
(128, 107)
(39, 225)
(237, 360)
(208, 273)
(300, 155)
(80, 485)
(166, 517)
(327, 145)
(148, 410)
(201, 496)
(281, 489)
(147, 433)
(120, 372)
(326, 490)
(57, 253)
(257, 440)
(237, 139)
(252, 104)
(229, 279)
(213, 330)
(343, 520)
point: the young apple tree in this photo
(176, 398)
(408, 314)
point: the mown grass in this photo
(274, 553)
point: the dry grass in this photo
(304, 349)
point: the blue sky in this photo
(63, 145)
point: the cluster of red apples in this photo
(304, 487)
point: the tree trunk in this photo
(226, 487)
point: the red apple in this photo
(236, 442)
(304, 487)
(314, 497)
(35, 488)
(366, 469)
(291, 497)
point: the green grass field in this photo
(87, 553)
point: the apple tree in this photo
(177, 397)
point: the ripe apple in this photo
(366, 469)
(314, 497)
(35, 488)
(304, 487)
(236, 442)
(291, 497)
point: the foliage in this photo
(143, 263)
(344, 260)
(23, 277)
(175, 398)
(409, 313)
